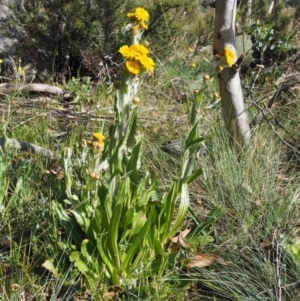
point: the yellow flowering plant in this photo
(127, 228)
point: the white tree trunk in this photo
(229, 80)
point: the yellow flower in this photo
(137, 58)
(133, 67)
(229, 55)
(193, 65)
(143, 25)
(191, 50)
(99, 138)
(1, 61)
(98, 142)
(140, 15)
(134, 51)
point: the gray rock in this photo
(7, 45)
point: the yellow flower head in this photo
(229, 56)
(191, 50)
(137, 58)
(1, 61)
(134, 51)
(98, 142)
(193, 65)
(133, 67)
(140, 15)
(98, 137)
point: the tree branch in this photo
(43, 88)
(26, 147)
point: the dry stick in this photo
(282, 89)
(44, 88)
(262, 113)
(27, 147)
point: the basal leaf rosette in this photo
(137, 59)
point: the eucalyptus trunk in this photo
(229, 79)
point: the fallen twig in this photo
(27, 147)
(42, 88)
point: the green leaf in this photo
(193, 134)
(193, 176)
(87, 250)
(113, 233)
(132, 125)
(82, 219)
(134, 163)
(166, 215)
(105, 207)
(182, 211)
(142, 195)
(105, 254)
(79, 262)
(49, 265)
(132, 250)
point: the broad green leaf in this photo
(79, 261)
(82, 219)
(143, 196)
(131, 252)
(134, 163)
(196, 141)
(105, 206)
(132, 125)
(166, 215)
(193, 134)
(182, 211)
(49, 265)
(110, 263)
(138, 223)
(87, 270)
(114, 187)
(113, 233)
(104, 251)
(87, 250)
(193, 176)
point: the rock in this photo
(7, 45)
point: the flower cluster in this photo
(139, 18)
(97, 143)
(137, 59)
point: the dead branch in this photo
(27, 147)
(283, 84)
(42, 88)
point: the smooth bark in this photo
(229, 80)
